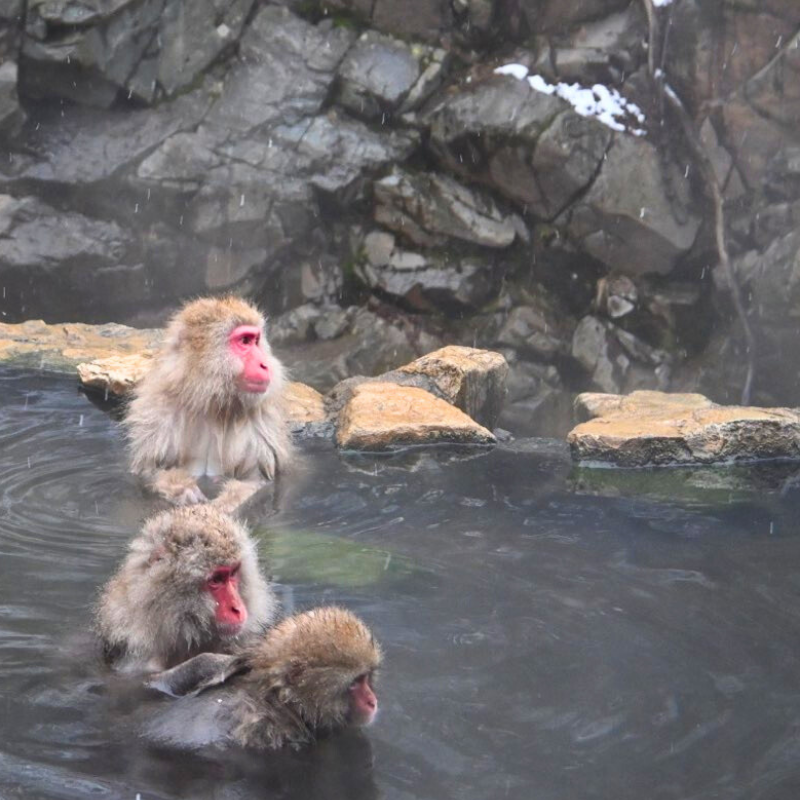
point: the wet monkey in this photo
(312, 673)
(190, 584)
(210, 405)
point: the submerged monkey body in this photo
(211, 404)
(310, 675)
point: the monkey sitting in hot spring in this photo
(310, 675)
(210, 405)
(190, 584)
(190, 604)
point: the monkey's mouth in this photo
(227, 630)
(255, 387)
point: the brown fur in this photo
(154, 613)
(290, 687)
(187, 417)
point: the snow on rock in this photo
(518, 71)
(606, 105)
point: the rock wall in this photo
(386, 177)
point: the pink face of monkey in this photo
(230, 612)
(245, 345)
(363, 702)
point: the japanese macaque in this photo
(190, 584)
(312, 673)
(210, 405)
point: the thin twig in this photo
(706, 167)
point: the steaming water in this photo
(540, 643)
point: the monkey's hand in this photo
(178, 486)
(234, 493)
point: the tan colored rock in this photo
(304, 404)
(380, 416)
(656, 428)
(473, 380)
(61, 347)
(598, 404)
(115, 375)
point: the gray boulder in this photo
(63, 260)
(535, 333)
(376, 74)
(93, 52)
(429, 208)
(529, 145)
(634, 217)
(425, 281)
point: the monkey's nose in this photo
(236, 611)
(372, 702)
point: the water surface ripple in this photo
(540, 643)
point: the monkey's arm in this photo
(197, 674)
(235, 493)
(176, 485)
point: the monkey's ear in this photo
(197, 674)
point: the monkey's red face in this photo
(230, 612)
(245, 345)
(363, 701)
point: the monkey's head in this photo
(204, 563)
(222, 343)
(323, 664)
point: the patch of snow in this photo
(606, 105)
(519, 71)
(541, 85)
(661, 3)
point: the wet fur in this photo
(189, 397)
(284, 691)
(153, 613)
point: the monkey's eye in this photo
(218, 578)
(248, 339)
(359, 680)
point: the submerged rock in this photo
(380, 416)
(657, 429)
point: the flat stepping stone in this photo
(380, 416)
(657, 429)
(61, 347)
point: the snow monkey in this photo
(312, 673)
(210, 405)
(190, 584)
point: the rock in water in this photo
(659, 429)
(379, 416)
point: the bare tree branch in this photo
(703, 161)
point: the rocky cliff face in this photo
(525, 175)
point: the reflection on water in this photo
(544, 638)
